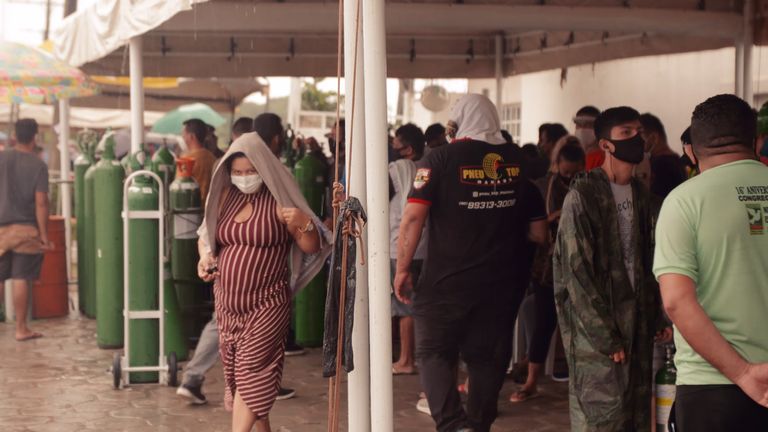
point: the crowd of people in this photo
(614, 242)
(602, 240)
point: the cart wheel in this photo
(173, 370)
(117, 373)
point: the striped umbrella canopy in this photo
(31, 75)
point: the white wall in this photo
(668, 86)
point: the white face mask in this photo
(248, 184)
(586, 137)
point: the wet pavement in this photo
(61, 383)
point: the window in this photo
(510, 120)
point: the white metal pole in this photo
(748, 47)
(137, 93)
(359, 381)
(64, 186)
(739, 79)
(375, 58)
(499, 45)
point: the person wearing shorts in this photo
(23, 219)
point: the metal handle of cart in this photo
(121, 365)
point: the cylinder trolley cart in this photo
(167, 367)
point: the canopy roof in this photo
(221, 94)
(426, 38)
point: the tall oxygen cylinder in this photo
(86, 143)
(89, 244)
(666, 379)
(108, 177)
(187, 215)
(143, 268)
(309, 304)
(175, 340)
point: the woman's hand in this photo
(293, 218)
(207, 268)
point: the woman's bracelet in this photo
(308, 227)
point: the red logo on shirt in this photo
(422, 178)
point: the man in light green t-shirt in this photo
(711, 260)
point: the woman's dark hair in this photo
(571, 153)
(231, 159)
(198, 128)
(555, 131)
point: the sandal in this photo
(523, 395)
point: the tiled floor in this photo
(60, 383)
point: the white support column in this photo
(375, 58)
(499, 45)
(739, 79)
(137, 93)
(65, 186)
(359, 381)
(748, 47)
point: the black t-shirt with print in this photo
(480, 209)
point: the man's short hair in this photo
(723, 124)
(412, 136)
(198, 128)
(572, 153)
(651, 123)
(588, 111)
(613, 117)
(26, 129)
(268, 126)
(555, 131)
(543, 127)
(242, 125)
(434, 131)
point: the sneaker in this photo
(193, 394)
(422, 406)
(294, 349)
(560, 376)
(285, 393)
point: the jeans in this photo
(205, 356)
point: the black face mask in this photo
(630, 150)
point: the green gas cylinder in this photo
(108, 177)
(309, 304)
(86, 142)
(164, 165)
(143, 270)
(187, 215)
(175, 341)
(89, 244)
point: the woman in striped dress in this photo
(253, 240)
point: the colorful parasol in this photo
(31, 75)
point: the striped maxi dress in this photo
(252, 298)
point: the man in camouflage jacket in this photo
(607, 321)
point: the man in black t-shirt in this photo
(481, 214)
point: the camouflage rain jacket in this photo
(599, 311)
